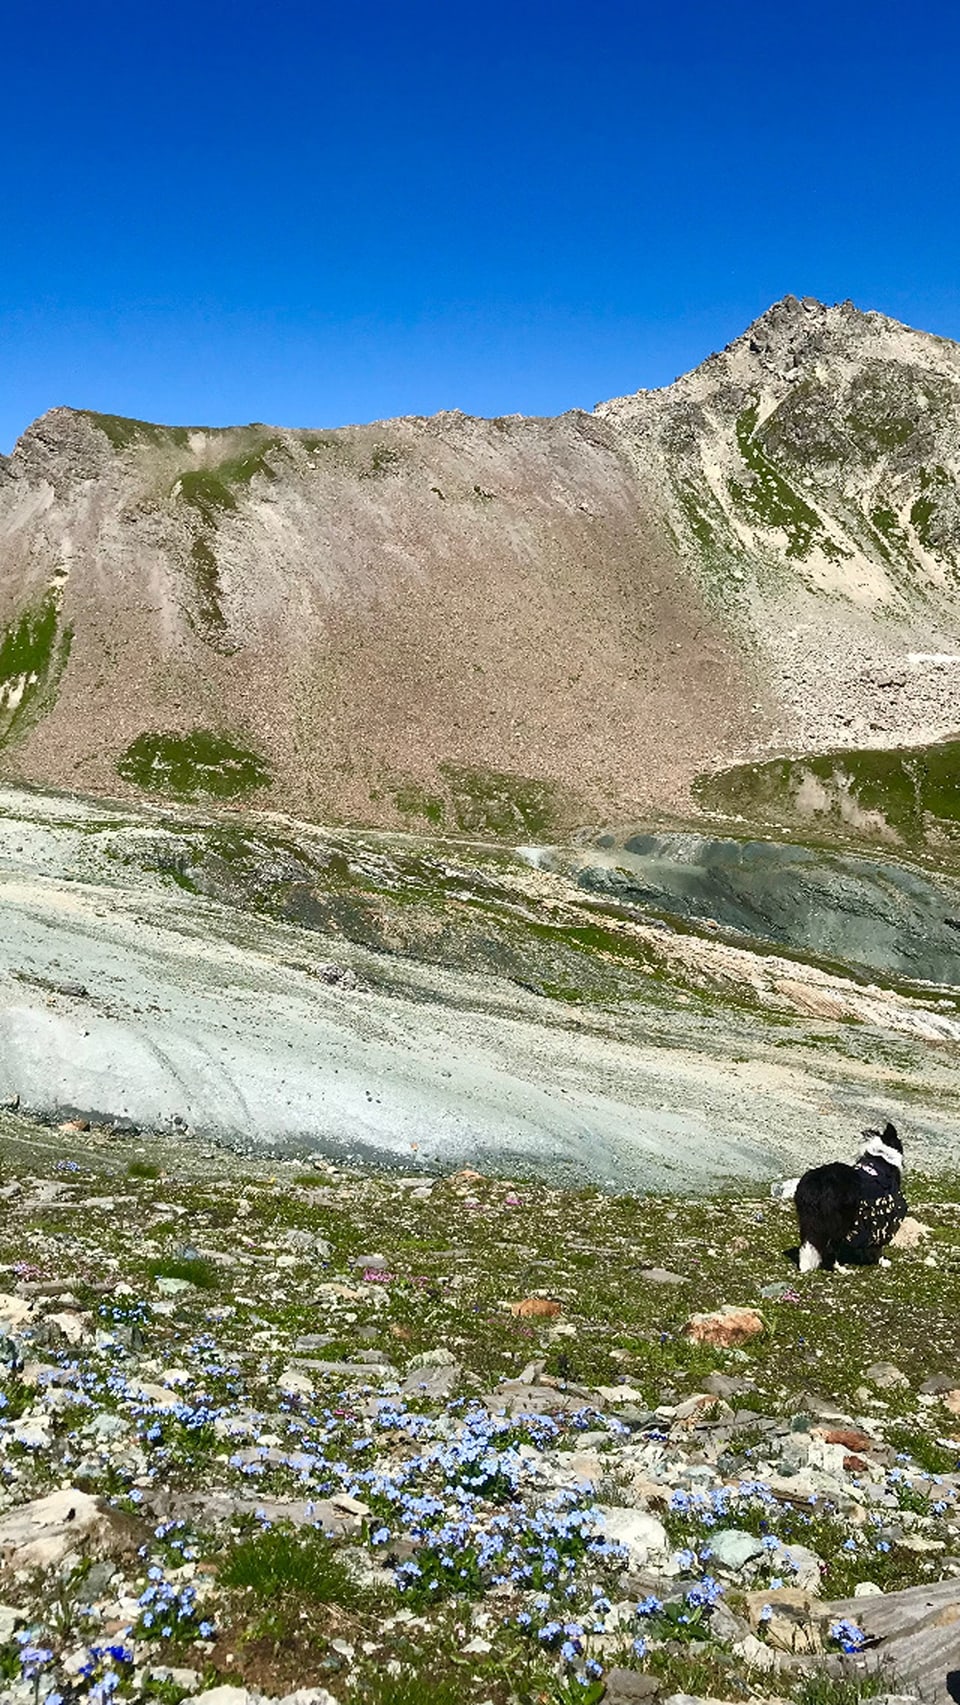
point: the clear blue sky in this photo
(317, 213)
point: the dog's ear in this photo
(889, 1135)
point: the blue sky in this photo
(312, 214)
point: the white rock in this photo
(41, 1533)
(349, 1505)
(75, 1327)
(14, 1311)
(756, 1654)
(159, 1395)
(867, 1589)
(10, 1619)
(308, 1696)
(32, 1431)
(733, 1548)
(640, 1533)
(885, 1376)
(439, 1358)
(807, 1570)
(910, 1235)
(294, 1384)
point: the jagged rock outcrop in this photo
(495, 625)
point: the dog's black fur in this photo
(849, 1213)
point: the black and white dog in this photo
(847, 1214)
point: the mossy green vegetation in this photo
(212, 490)
(888, 533)
(892, 411)
(200, 765)
(189, 1269)
(932, 517)
(125, 432)
(697, 517)
(206, 577)
(34, 652)
(491, 802)
(769, 499)
(414, 801)
(206, 491)
(483, 802)
(910, 793)
(209, 494)
(142, 1169)
(803, 429)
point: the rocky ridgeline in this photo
(367, 624)
(319, 1436)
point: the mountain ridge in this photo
(497, 624)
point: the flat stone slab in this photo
(518, 1398)
(917, 1634)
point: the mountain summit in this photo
(495, 625)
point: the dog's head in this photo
(885, 1145)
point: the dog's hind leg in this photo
(809, 1258)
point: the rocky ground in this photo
(280, 1431)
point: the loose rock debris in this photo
(243, 1459)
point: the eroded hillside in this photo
(504, 626)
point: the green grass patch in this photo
(384, 460)
(414, 801)
(142, 1169)
(819, 1688)
(199, 765)
(15, 1399)
(205, 490)
(414, 1687)
(206, 578)
(124, 432)
(925, 1452)
(768, 498)
(304, 1564)
(914, 789)
(891, 410)
(494, 803)
(33, 655)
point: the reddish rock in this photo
(851, 1437)
(535, 1308)
(725, 1326)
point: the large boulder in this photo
(39, 1535)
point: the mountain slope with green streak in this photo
(504, 626)
(810, 472)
